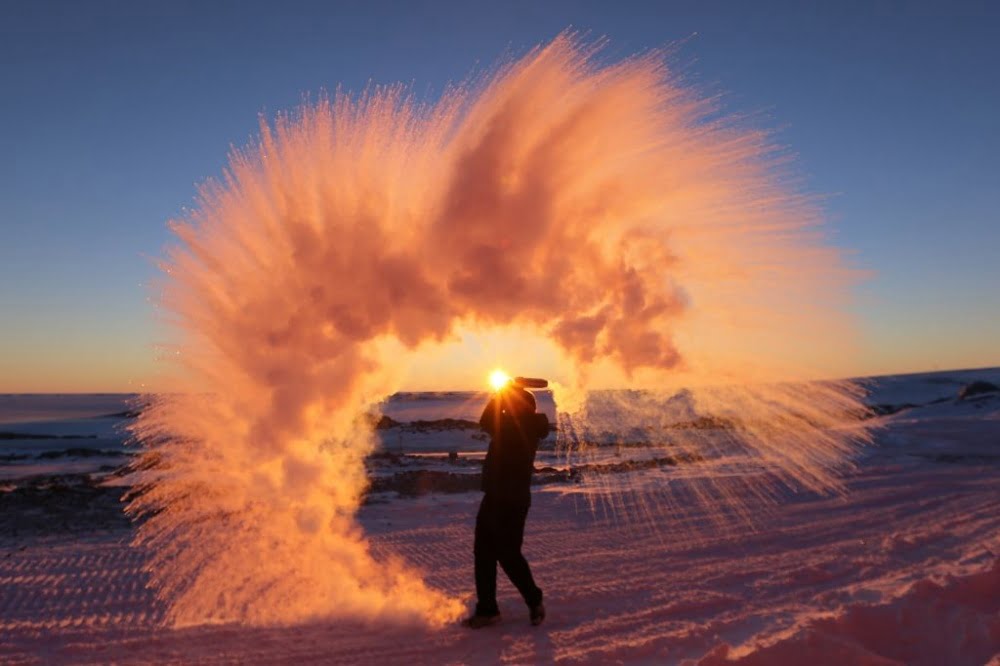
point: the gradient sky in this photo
(112, 112)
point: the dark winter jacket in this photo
(515, 430)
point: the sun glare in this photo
(498, 379)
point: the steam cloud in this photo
(598, 205)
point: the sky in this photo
(112, 113)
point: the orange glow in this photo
(592, 223)
(499, 379)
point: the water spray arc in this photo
(592, 203)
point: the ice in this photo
(78, 407)
(924, 388)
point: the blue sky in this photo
(112, 112)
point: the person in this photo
(515, 430)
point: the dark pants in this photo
(499, 533)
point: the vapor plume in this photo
(602, 206)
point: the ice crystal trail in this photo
(594, 204)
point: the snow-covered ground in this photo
(904, 568)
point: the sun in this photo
(499, 379)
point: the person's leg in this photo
(485, 558)
(510, 536)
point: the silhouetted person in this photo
(515, 429)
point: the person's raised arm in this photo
(489, 418)
(542, 426)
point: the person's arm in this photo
(488, 421)
(541, 425)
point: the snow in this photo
(28, 407)
(922, 388)
(903, 568)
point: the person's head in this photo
(516, 400)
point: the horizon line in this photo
(487, 390)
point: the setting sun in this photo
(499, 379)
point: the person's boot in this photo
(537, 614)
(478, 621)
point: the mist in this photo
(602, 206)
